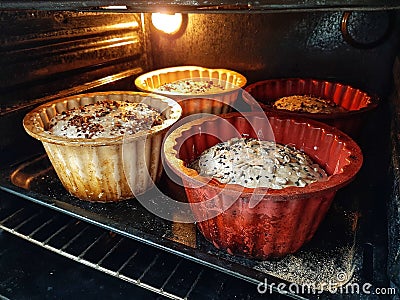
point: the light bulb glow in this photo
(168, 23)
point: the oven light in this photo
(168, 23)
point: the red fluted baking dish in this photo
(261, 223)
(358, 103)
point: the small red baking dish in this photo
(357, 103)
(259, 222)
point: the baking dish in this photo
(357, 103)
(259, 222)
(208, 102)
(97, 169)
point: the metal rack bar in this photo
(25, 221)
(148, 267)
(40, 227)
(126, 262)
(11, 216)
(170, 275)
(91, 245)
(110, 251)
(194, 284)
(56, 233)
(66, 245)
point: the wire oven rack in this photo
(158, 271)
(115, 239)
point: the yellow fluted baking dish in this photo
(108, 168)
(213, 102)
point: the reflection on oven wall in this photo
(44, 52)
(272, 45)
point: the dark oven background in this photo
(46, 53)
(49, 54)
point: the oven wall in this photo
(263, 46)
(45, 52)
(50, 54)
(394, 203)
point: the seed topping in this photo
(254, 163)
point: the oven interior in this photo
(50, 53)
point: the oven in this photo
(54, 245)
